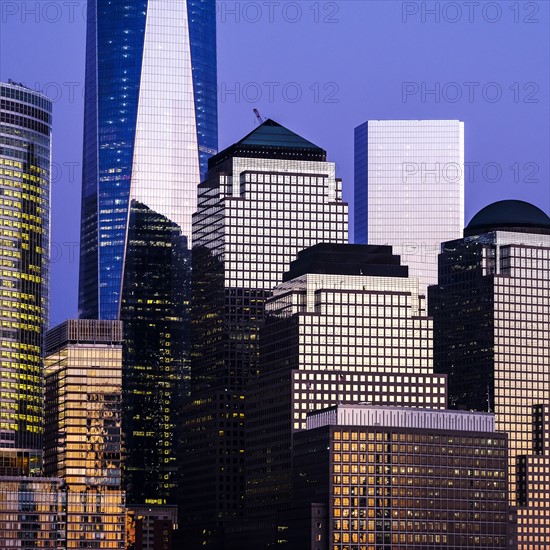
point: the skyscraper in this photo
(150, 126)
(25, 158)
(266, 197)
(491, 332)
(83, 379)
(346, 325)
(32, 508)
(156, 353)
(409, 189)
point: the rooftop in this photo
(83, 331)
(271, 140)
(12, 85)
(347, 259)
(509, 215)
(401, 418)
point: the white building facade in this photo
(409, 189)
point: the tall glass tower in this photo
(33, 509)
(25, 159)
(150, 126)
(409, 189)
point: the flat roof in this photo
(401, 417)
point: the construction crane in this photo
(261, 120)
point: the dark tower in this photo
(265, 198)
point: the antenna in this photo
(258, 116)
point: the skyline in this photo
(245, 317)
(337, 94)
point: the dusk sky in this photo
(322, 68)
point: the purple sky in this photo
(322, 68)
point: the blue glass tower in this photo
(150, 127)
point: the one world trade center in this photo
(150, 126)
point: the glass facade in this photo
(391, 478)
(21, 462)
(32, 513)
(202, 39)
(347, 325)
(25, 160)
(83, 379)
(265, 198)
(534, 486)
(156, 358)
(491, 331)
(409, 189)
(150, 126)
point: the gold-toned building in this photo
(32, 513)
(83, 377)
(533, 481)
(491, 316)
(346, 325)
(25, 144)
(386, 478)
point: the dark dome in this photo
(509, 215)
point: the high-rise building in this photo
(150, 126)
(32, 508)
(33, 513)
(491, 332)
(156, 354)
(25, 159)
(409, 189)
(380, 478)
(266, 197)
(346, 325)
(83, 379)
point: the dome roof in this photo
(509, 215)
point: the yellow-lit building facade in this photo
(491, 315)
(83, 379)
(398, 478)
(25, 145)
